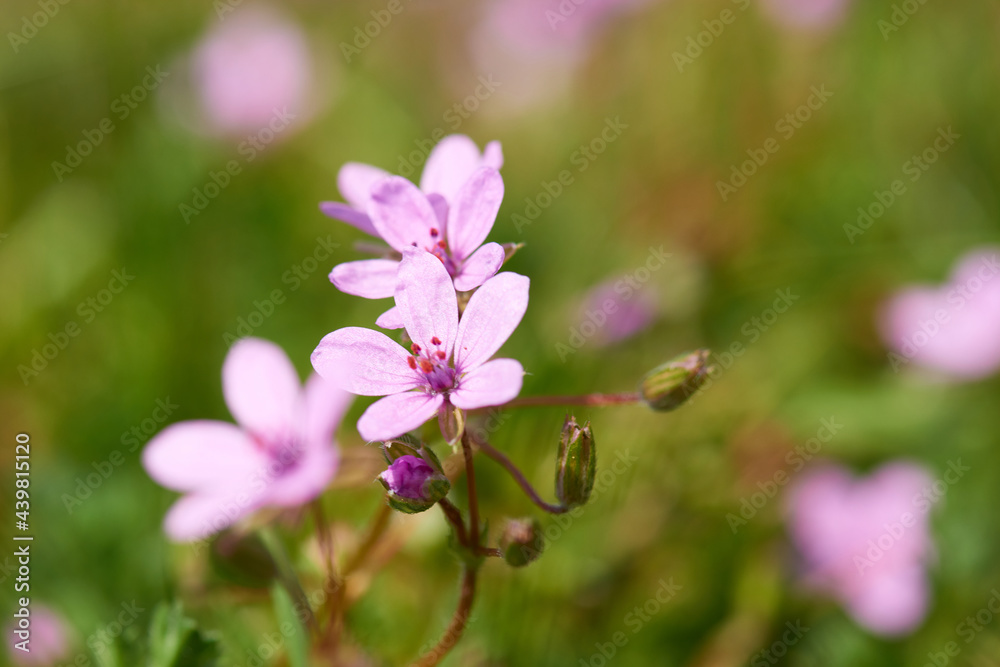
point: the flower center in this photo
(433, 364)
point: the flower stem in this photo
(584, 399)
(458, 622)
(470, 479)
(287, 576)
(454, 517)
(519, 477)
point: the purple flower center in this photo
(433, 364)
(284, 452)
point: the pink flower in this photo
(867, 542)
(448, 364)
(453, 232)
(48, 643)
(806, 13)
(280, 454)
(251, 67)
(614, 315)
(955, 328)
(450, 164)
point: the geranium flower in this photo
(280, 454)
(448, 361)
(449, 165)
(867, 542)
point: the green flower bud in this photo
(522, 542)
(669, 385)
(576, 464)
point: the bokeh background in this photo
(682, 90)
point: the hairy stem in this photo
(470, 479)
(458, 622)
(584, 399)
(454, 517)
(519, 477)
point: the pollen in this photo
(425, 365)
(434, 231)
(415, 348)
(440, 354)
(435, 341)
(411, 362)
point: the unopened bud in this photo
(576, 463)
(522, 542)
(413, 485)
(667, 386)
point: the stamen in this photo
(435, 341)
(434, 231)
(426, 366)
(416, 349)
(411, 362)
(440, 354)
(442, 245)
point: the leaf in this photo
(290, 625)
(176, 641)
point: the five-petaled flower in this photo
(282, 453)
(448, 362)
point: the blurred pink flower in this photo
(533, 46)
(450, 361)
(281, 454)
(48, 643)
(953, 329)
(867, 541)
(623, 309)
(253, 67)
(806, 13)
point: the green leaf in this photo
(175, 641)
(291, 627)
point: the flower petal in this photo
(493, 383)
(261, 387)
(440, 206)
(326, 404)
(480, 267)
(449, 165)
(197, 516)
(348, 214)
(356, 180)
(201, 455)
(402, 215)
(473, 212)
(394, 415)
(390, 319)
(491, 316)
(427, 301)
(367, 278)
(493, 155)
(365, 362)
(306, 480)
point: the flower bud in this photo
(669, 385)
(413, 484)
(522, 542)
(576, 464)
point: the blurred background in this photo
(807, 187)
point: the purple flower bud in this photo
(413, 484)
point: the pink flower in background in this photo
(251, 68)
(449, 165)
(280, 454)
(48, 643)
(617, 312)
(449, 361)
(806, 13)
(867, 541)
(451, 231)
(953, 329)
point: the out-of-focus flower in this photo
(533, 46)
(48, 643)
(808, 14)
(280, 454)
(867, 542)
(453, 232)
(251, 67)
(450, 164)
(953, 329)
(621, 313)
(369, 363)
